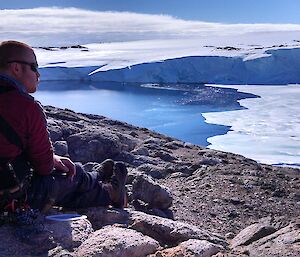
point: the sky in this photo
(53, 26)
(224, 11)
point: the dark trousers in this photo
(85, 190)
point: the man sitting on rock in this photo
(28, 166)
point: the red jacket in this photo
(27, 118)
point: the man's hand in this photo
(64, 164)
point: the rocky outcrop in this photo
(113, 232)
(265, 239)
(109, 232)
(184, 200)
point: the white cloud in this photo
(61, 26)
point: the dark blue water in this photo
(172, 109)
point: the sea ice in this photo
(268, 130)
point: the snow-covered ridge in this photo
(231, 65)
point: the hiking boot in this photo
(105, 170)
(118, 181)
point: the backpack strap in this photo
(6, 129)
(6, 89)
(12, 172)
(10, 134)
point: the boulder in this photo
(93, 146)
(150, 192)
(263, 227)
(55, 133)
(169, 232)
(69, 235)
(165, 156)
(252, 233)
(118, 242)
(61, 148)
(55, 238)
(140, 160)
(140, 151)
(192, 247)
(284, 242)
(153, 170)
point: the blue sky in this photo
(226, 11)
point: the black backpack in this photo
(15, 174)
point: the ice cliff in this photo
(275, 66)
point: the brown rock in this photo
(284, 242)
(192, 247)
(169, 232)
(117, 242)
(150, 192)
(61, 148)
(252, 233)
(93, 146)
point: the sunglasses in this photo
(33, 65)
